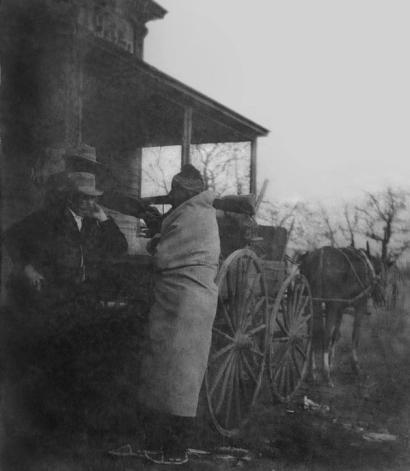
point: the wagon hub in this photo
(242, 340)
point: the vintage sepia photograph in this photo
(205, 235)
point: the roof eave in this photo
(196, 96)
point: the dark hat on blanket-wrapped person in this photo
(190, 179)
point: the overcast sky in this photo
(329, 78)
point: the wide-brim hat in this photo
(83, 182)
(82, 152)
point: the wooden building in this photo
(72, 71)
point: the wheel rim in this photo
(237, 356)
(290, 335)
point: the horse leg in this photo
(335, 335)
(356, 337)
(319, 329)
(326, 364)
(331, 335)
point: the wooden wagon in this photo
(262, 330)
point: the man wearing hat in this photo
(57, 253)
(180, 320)
(57, 246)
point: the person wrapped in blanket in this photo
(180, 320)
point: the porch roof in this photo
(153, 102)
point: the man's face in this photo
(178, 196)
(83, 205)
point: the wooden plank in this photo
(252, 182)
(261, 195)
(186, 137)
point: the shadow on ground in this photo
(360, 424)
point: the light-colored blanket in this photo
(180, 321)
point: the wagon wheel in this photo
(237, 357)
(290, 334)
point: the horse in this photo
(342, 280)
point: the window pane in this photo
(159, 165)
(224, 167)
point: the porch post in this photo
(252, 175)
(186, 136)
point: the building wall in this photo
(114, 22)
(42, 83)
(41, 89)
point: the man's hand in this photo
(99, 213)
(152, 244)
(153, 219)
(35, 278)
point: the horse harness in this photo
(365, 289)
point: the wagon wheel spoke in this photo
(285, 377)
(229, 284)
(221, 371)
(279, 339)
(254, 317)
(237, 389)
(302, 321)
(231, 389)
(231, 295)
(234, 280)
(245, 292)
(256, 330)
(224, 390)
(251, 296)
(298, 348)
(257, 352)
(222, 334)
(227, 317)
(220, 353)
(248, 367)
(303, 301)
(300, 309)
(281, 318)
(240, 284)
(293, 301)
(282, 325)
(297, 366)
(280, 374)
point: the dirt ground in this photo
(360, 424)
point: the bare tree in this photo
(309, 226)
(382, 216)
(350, 224)
(224, 166)
(329, 231)
(278, 214)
